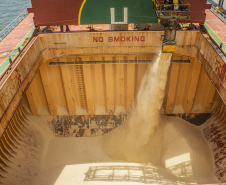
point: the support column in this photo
(109, 88)
(46, 74)
(33, 97)
(120, 87)
(191, 85)
(172, 87)
(67, 82)
(130, 75)
(99, 81)
(89, 89)
(178, 108)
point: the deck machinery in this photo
(171, 11)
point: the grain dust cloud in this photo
(149, 148)
(138, 139)
(149, 138)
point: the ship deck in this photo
(57, 94)
(19, 36)
(16, 38)
(216, 28)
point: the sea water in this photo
(10, 9)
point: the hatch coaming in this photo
(109, 85)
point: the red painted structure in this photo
(55, 12)
(66, 12)
(197, 11)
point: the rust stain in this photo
(19, 79)
(217, 85)
(25, 89)
(86, 126)
(221, 70)
(215, 138)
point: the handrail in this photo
(13, 24)
(16, 56)
(218, 13)
(168, 11)
(8, 69)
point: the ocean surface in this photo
(10, 9)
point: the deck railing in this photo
(13, 24)
(218, 13)
(171, 11)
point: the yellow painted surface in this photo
(32, 94)
(200, 91)
(67, 86)
(84, 86)
(99, 84)
(182, 77)
(208, 96)
(46, 75)
(109, 88)
(120, 84)
(141, 69)
(172, 80)
(130, 86)
(114, 87)
(57, 82)
(191, 85)
(88, 80)
(168, 48)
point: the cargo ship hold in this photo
(114, 92)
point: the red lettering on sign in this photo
(136, 38)
(110, 39)
(123, 39)
(128, 39)
(101, 39)
(95, 39)
(120, 39)
(142, 38)
(116, 39)
(98, 39)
